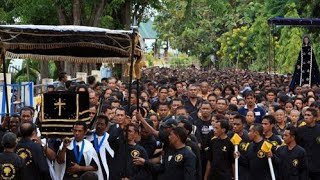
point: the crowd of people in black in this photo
(181, 130)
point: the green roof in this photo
(146, 30)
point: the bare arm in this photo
(62, 153)
(51, 155)
(208, 168)
(75, 168)
(146, 125)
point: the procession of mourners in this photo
(172, 124)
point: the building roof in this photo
(146, 30)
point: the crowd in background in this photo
(182, 129)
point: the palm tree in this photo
(28, 72)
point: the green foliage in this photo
(182, 61)
(150, 59)
(22, 75)
(205, 27)
(260, 34)
(112, 14)
(235, 48)
(53, 70)
(289, 44)
(34, 11)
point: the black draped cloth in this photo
(60, 110)
(306, 70)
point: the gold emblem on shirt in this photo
(178, 158)
(224, 149)
(244, 146)
(135, 153)
(261, 154)
(295, 162)
(8, 171)
(274, 143)
(318, 140)
(25, 154)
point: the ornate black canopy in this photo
(78, 44)
(315, 22)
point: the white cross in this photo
(60, 104)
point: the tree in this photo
(206, 27)
(115, 14)
(289, 43)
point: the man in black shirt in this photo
(220, 154)
(238, 127)
(33, 155)
(178, 163)
(164, 111)
(291, 158)
(193, 144)
(192, 101)
(255, 159)
(203, 123)
(99, 140)
(148, 141)
(268, 123)
(77, 155)
(162, 98)
(308, 137)
(12, 165)
(122, 166)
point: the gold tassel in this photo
(138, 66)
(29, 46)
(126, 71)
(117, 60)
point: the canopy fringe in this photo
(32, 46)
(116, 60)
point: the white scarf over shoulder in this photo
(104, 147)
(89, 153)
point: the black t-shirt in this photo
(70, 157)
(204, 128)
(178, 164)
(12, 166)
(189, 106)
(256, 161)
(309, 139)
(135, 172)
(122, 165)
(220, 154)
(193, 145)
(2, 133)
(149, 143)
(274, 140)
(34, 158)
(292, 164)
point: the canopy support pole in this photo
(3, 59)
(269, 61)
(131, 66)
(274, 50)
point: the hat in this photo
(170, 123)
(181, 118)
(9, 140)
